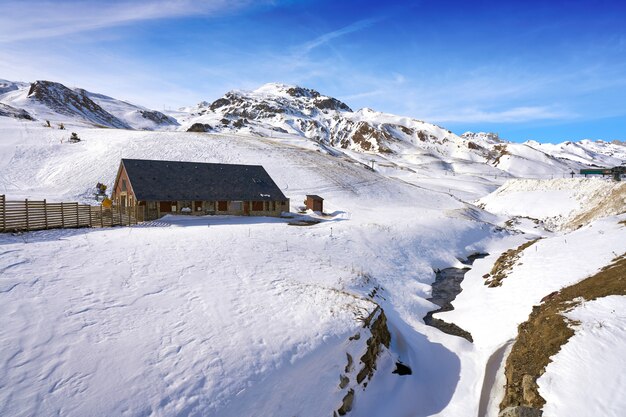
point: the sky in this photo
(543, 70)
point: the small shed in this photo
(314, 202)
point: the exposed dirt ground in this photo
(546, 330)
(505, 264)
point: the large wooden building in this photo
(168, 187)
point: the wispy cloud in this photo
(24, 20)
(513, 115)
(329, 36)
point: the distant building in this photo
(616, 172)
(314, 202)
(168, 187)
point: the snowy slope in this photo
(46, 100)
(402, 147)
(288, 297)
(598, 153)
(136, 116)
(559, 203)
(169, 329)
(236, 316)
(594, 354)
(492, 315)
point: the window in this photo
(222, 205)
(123, 185)
(198, 205)
(236, 205)
(257, 206)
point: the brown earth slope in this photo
(546, 330)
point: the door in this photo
(246, 208)
(165, 206)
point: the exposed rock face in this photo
(379, 340)
(346, 406)
(529, 389)
(327, 120)
(72, 103)
(278, 110)
(377, 321)
(158, 118)
(7, 86)
(199, 127)
(9, 111)
(520, 412)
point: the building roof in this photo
(170, 180)
(314, 197)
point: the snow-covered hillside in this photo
(262, 283)
(402, 147)
(232, 316)
(54, 102)
(279, 110)
(558, 203)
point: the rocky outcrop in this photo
(520, 412)
(303, 111)
(199, 128)
(63, 100)
(9, 111)
(158, 118)
(376, 323)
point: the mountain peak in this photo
(286, 90)
(64, 100)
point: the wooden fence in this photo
(29, 215)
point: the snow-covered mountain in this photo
(239, 316)
(397, 144)
(279, 110)
(52, 101)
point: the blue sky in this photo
(549, 70)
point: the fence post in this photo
(62, 217)
(119, 211)
(77, 216)
(90, 225)
(26, 203)
(101, 217)
(45, 212)
(4, 213)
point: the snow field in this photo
(594, 355)
(156, 321)
(556, 202)
(492, 315)
(248, 316)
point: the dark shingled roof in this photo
(314, 197)
(169, 180)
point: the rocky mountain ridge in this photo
(63, 100)
(287, 112)
(277, 110)
(48, 100)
